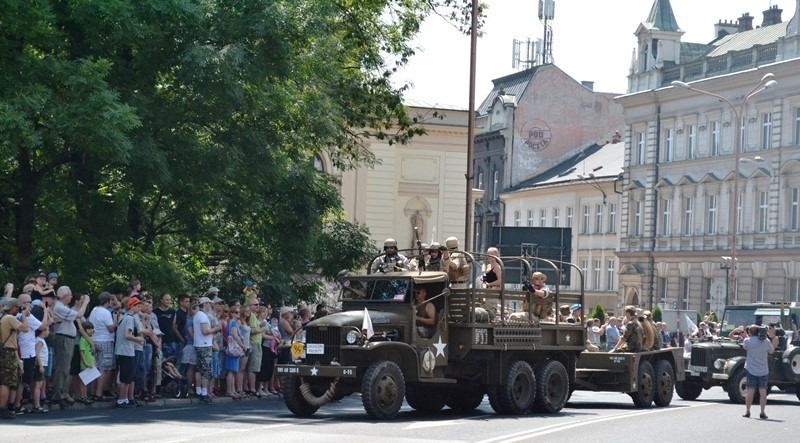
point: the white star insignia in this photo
(314, 371)
(440, 347)
(567, 337)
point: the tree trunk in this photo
(24, 212)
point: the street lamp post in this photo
(765, 83)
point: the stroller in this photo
(172, 382)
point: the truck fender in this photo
(403, 354)
(734, 363)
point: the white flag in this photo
(692, 327)
(367, 325)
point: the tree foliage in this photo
(657, 315)
(599, 313)
(172, 140)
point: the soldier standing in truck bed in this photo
(631, 341)
(648, 332)
(455, 263)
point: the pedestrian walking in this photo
(759, 345)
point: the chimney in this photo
(588, 85)
(616, 137)
(745, 22)
(772, 16)
(724, 28)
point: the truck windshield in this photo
(746, 316)
(395, 290)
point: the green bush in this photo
(657, 314)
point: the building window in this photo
(478, 246)
(763, 206)
(766, 130)
(794, 207)
(688, 218)
(685, 293)
(496, 187)
(637, 218)
(517, 220)
(585, 271)
(709, 297)
(759, 289)
(711, 226)
(797, 126)
(714, 138)
(669, 146)
(530, 218)
(742, 133)
(555, 217)
(585, 224)
(597, 270)
(612, 217)
(480, 180)
(569, 216)
(640, 148)
(662, 291)
(739, 213)
(542, 218)
(794, 290)
(610, 271)
(666, 216)
(691, 141)
(598, 219)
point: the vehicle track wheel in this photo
(552, 387)
(290, 388)
(425, 399)
(466, 398)
(688, 390)
(643, 397)
(665, 383)
(518, 393)
(382, 390)
(737, 387)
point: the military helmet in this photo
(424, 246)
(389, 243)
(434, 246)
(451, 243)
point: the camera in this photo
(528, 287)
(762, 332)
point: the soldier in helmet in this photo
(391, 260)
(649, 332)
(456, 265)
(414, 264)
(631, 341)
(435, 257)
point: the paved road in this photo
(596, 416)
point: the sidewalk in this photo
(168, 402)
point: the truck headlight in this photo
(352, 337)
(719, 363)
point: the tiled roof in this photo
(602, 162)
(661, 17)
(741, 41)
(512, 84)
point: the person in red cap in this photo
(127, 335)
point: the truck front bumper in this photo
(317, 371)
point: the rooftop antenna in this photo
(546, 14)
(530, 58)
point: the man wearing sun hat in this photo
(203, 340)
(64, 334)
(125, 350)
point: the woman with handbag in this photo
(233, 351)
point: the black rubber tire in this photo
(791, 367)
(465, 399)
(737, 387)
(688, 390)
(797, 390)
(493, 392)
(665, 383)
(518, 393)
(382, 390)
(424, 399)
(643, 397)
(290, 390)
(552, 387)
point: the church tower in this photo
(659, 46)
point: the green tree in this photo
(657, 315)
(599, 313)
(173, 140)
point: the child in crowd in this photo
(87, 359)
(42, 361)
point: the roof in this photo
(661, 17)
(694, 51)
(741, 41)
(512, 84)
(598, 162)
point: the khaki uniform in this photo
(9, 362)
(650, 334)
(634, 335)
(459, 274)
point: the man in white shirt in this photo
(105, 327)
(27, 350)
(203, 341)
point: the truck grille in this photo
(705, 356)
(328, 336)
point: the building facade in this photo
(679, 204)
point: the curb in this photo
(166, 402)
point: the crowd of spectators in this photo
(135, 349)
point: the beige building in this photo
(420, 184)
(678, 208)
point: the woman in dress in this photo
(232, 363)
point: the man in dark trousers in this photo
(759, 345)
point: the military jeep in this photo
(720, 362)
